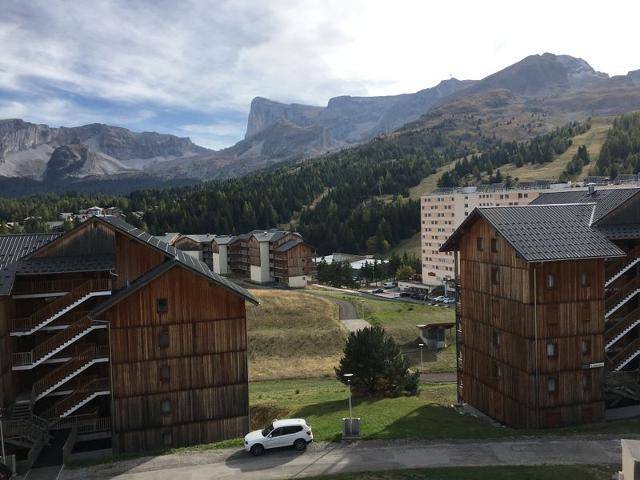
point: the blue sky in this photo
(191, 67)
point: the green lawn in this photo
(429, 416)
(399, 319)
(323, 403)
(547, 472)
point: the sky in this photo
(192, 67)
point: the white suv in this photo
(293, 432)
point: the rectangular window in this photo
(163, 338)
(586, 380)
(586, 347)
(166, 406)
(552, 350)
(494, 245)
(495, 275)
(162, 305)
(167, 438)
(497, 337)
(497, 370)
(165, 373)
(480, 244)
(550, 281)
(552, 385)
(584, 279)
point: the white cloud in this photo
(212, 57)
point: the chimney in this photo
(592, 189)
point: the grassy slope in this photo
(410, 246)
(400, 319)
(547, 472)
(593, 139)
(292, 334)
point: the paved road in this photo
(349, 316)
(438, 377)
(326, 459)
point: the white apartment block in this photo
(444, 210)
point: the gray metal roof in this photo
(289, 244)
(12, 249)
(544, 233)
(606, 199)
(168, 237)
(224, 239)
(190, 262)
(200, 238)
(620, 232)
(51, 265)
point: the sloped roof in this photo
(190, 262)
(200, 238)
(605, 199)
(289, 244)
(12, 249)
(70, 264)
(168, 237)
(544, 233)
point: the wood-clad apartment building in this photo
(547, 314)
(107, 330)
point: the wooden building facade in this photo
(531, 313)
(113, 332)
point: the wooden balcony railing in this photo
(32, 286)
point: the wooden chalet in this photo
(547, 314)
(109, 332)
(265, 256)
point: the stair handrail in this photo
(38, 317)
(615, 266)
(621, 294)
(42, 349)
(86, 354)
(92, 385)
(625, 352)
(621, 324)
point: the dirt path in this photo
(349, 316)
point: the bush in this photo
(377, 365)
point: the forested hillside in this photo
(363, 206)
(620, 152)
(539, 150)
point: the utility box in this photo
(630, 460)
(350, 428)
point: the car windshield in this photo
(267, 430)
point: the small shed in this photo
(434, 335)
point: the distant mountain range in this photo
(555, 88)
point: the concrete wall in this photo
(298, 282)
(221, 260)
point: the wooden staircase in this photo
(617, 329)
(621, 358)
(56, 343)
(622, 296)
(87, 391)
(86, 356)
(50, 312)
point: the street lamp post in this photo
(348, 377)
(4, 457)
(421, 345)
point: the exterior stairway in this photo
(624, 356)
(616, 269)
(86, 356)
(622, 296)
(87, 391)
(619, 328)
(55, 343)
(26, 430)
(57, 308)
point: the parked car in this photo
(293, 432)
(378, 290)
(388, 285)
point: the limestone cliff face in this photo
(26, 148)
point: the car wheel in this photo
(300, 445)
(257, 450)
